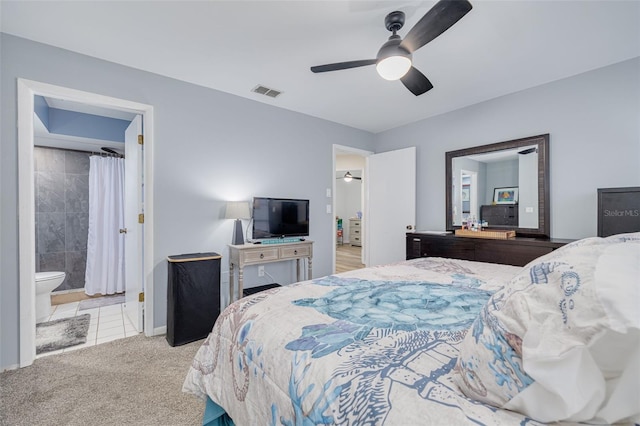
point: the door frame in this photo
(343, 149)
(27, 89)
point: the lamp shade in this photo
(393, 67)
(237, 210)
(393, 60)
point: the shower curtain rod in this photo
(108, 152)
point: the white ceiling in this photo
(500, 47)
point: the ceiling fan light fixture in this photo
(393, 67)
(348, 177)
(393, 61)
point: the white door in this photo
(391, 212)
(133, 238)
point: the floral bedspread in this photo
(374, 346)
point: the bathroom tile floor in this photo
(107, 323)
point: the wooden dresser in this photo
(355, 232)
(514, 251)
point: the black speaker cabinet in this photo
(618, 210)
(193, 296)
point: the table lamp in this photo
(237, 210)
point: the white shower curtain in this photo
(105, 243)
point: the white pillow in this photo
(562, 340)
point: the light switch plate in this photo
(328, 192)
(328, 208)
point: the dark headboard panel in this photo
(618, 210)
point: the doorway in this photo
(27, 91)
(468, 195)
(349, 203)
(389, 202)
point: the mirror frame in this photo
(542, 142)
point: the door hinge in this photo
(140, 297)
(140, 140)
(141, 218)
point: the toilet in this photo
(46, 282)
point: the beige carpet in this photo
(132, 381)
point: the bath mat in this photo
(101, 301)
(61, 333)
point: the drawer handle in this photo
(261, 255)
(295, 252)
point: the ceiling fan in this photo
(348, 177)
(393, 61)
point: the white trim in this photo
(147, 131)
(72, 290)
(26, 224)
(27, 89)
(342, 149)
(158, 331)
(10, 367)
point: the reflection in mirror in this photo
(503, 184)
(481, 175)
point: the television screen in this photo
(280, 217)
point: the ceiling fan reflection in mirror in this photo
(394, 59)
(348, 177)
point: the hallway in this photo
(348, 258)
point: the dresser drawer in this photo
(259, 255)
(508, 254)
(354, 224)
(289, 252)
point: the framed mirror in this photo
(504, 184)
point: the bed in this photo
(431, 341)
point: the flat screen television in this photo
(280, 217)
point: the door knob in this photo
(123, 231)
(409, 227)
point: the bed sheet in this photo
(372, 346)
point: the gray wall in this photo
(500, 174)
(62, 213)
(593, 121)
(210, 147)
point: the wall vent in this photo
(272, 93)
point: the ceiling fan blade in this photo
(343, 65)
(437, 20)
(416, 82)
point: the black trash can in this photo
(193, 296)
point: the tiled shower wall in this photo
(62, 213)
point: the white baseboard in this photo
(73, 290)
(158, 331)
(10, 367)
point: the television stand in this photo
(242, 255)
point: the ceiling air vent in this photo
(266, 91)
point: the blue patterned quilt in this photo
(374, 346)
